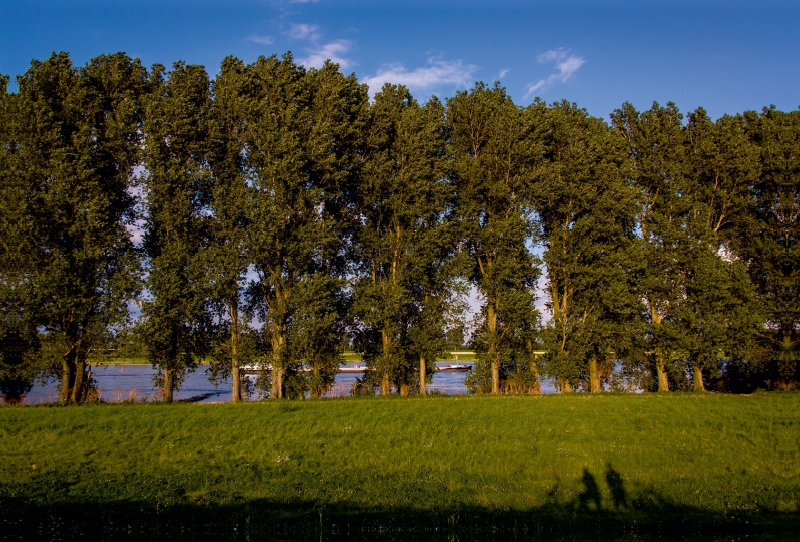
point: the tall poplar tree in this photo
(494, 151)
(718, 316)
(402, 245)
(19, 307)
(771, 244)
(177, 188)
(657, 148)
(339, 108)
(226, 256)
(301, 137)
(79, 147)
(586, 214)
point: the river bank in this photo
(126, 382)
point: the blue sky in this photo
(726, 56)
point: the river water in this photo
(121, 382)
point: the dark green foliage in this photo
(699, 200)
(301, 137)
(770, 243)
(660, 170)
(319, 325)
(495, 151)
(19, 316)
(586, 215)
(405, 290)
(720, 316)
(129, 342)
(177, 188)
(226, 257)
(77, 153)
(286, 216)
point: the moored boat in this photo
(454, 368)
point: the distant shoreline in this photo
(348, 357)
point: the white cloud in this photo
(263, 40)
(438, 72)
(567, 65)
(303, 31)
(303, 1)
(503, 73)
(332, 51)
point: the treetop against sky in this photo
(727, 56)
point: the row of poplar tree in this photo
(274, 213)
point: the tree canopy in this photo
(268, 216)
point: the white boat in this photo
(454, 368)
(352, 368)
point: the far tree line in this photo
(273, 213)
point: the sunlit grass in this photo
(716, 453)
(116, 360)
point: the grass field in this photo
(115, 360)
(427, 467)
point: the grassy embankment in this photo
(591, 464)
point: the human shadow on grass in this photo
(617, 487)
(586, 517)
(591, 497)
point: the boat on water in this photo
(352, 368)
(451, 368)
(255, 369)
(454, 368)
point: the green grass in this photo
(114, 360)
(625, 462)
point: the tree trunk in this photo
(661, 372)
(698, 378)
(316, 390)
(594, 375)
(277, 382)
(236, 391)
(566, 387)
(169, 385)
(66, 382)
(491, 323)
(495, 376)
(405, 389)
(386, 388)
(386, 385)
(423, 386)
(786, 354)
(536, 389)
(80, 377)
(278, 370)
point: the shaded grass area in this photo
(427, 468)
